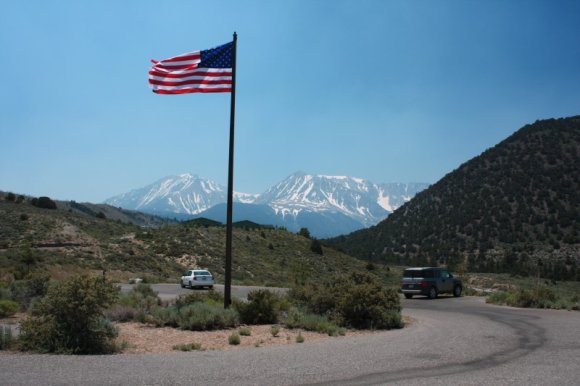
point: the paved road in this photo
(453, 341)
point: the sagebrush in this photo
(357, 299)
(70, 318)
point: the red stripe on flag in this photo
(186, 82)
(184, 74)
(192, 90)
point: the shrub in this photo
(318, 323)
(145, 290)
(70, 318)
(299, 338)
(311, 322)
(134, 305)
(234, 339)
(262, 307)
(122, 313)
(141, 297)
(5, 293)
(245, 331)
(368, 305)
(275, 330)
(357, 299)
(209, 297)
(294, 318)
(34, 286)
(8, 308)
(190, 314)
(201, 316)
(162, 316)
(188, 347)
(304, 232)
(542, 297)
(316, 247)
(44, 202)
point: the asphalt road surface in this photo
(452, 341)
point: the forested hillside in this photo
(515, 208)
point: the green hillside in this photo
(69, 240)
(515, 208)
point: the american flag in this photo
(199, 71)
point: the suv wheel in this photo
(190, 284)
(457, 291)
(408, 296)
(432, 293)
(182, 285)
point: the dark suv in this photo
(429, 282)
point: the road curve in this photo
(459, 341)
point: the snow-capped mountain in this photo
(185, 194)
(299, 192)
(327, 205)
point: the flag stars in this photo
(219, 57)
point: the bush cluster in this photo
(44, 202)
(8, 308)
(209, 297)
(234, 339)
(30, 289)
(357, 299)
(188, 347)
(262, 307)
(201, 316)
(70, 318)
(134, 305)
(541, 297)
(312, 322)
(197, 312)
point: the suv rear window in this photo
(423, 273)
(202, 273)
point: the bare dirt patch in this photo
(141, 338)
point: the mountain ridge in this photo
(514, 208)
(330, 204)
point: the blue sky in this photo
(389, 91)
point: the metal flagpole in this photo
(228, 265)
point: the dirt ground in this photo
(137, 338)
(141, 338)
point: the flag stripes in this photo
(200, 71)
